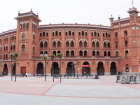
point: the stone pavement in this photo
(34, 90)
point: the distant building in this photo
(92, 48)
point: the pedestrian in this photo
(26, 74)
(34, 74)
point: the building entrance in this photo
(86, 68)
(100, 69)
(113, 69)
(70, 69)
(5, 70)
(23, 70)
(56, 68)
(40, 68)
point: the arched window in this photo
(59, 44)
(126, 53)
(27, 25)
(11, 47)
(23, 47)
(6, 48)
(41, 44)
(54, 52)
(56, 33)
(85, 44)
(94, 33)
(126, 43)
(43, 33)
(106, 34)
(93, 44)
(108, 44)
(4, 56)
(97, 44)
(108, 53)
(46, 53)
(80, 53)
(80, 44)
(67, 44)
(24, 25)
(116, 34)
(85, 53)
(104, 44)
(41, 54)
(117, 53)
(46, 44)
(69, 32)
(14, 47)
(54, 44)
(103, 34)
(125, 32)
(93, 53)
(72, 43)
(98, 53)
(58, 52)
(67, 53)
(116, 44)
(33, 50)
(104, 53)
(72, 53)
(23, 36)
(33, 38)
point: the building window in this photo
(43, 33)
(86, 33)
(23, 47)
(126, 53)
(85, 53)
(72, 33)
(41, 54)
(41, 44)
(93, 44)
(27, 25)
(72, 53)
(126, 43)
(93, 53)
(46, 44)
(59, 44)
(46, 53)
(79, 33)
(69, 32)
(85, 44)
(54, 44)
(67, 53)
(98, 53)
(125, 32)
(91, 33)
(82, 32)
(23, 36)
(56, 33)
(98, 34)
(72, 43)
(104, 44)
(108, 53)
(117, 53)
(80, 53)
(108, 45)
(65, 33)
(46, 33)
(106, 34)
(59, 33)
(104, 53)
(116, 34)
(24, 25)
(67, 44)
(94, 33)
(33, 38)
(116, 44)
(97, 44)
(80, 44)
(33, 50)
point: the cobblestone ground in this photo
(37, 91)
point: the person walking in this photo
(26, 74)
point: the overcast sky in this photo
(65, 11)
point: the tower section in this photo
(27, 29)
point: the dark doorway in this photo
(86, 69)
(100, 69)
(56, 68)
(5, 70)
(40, 68)
(70, 69)
(113, 69)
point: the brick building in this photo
(86, 47)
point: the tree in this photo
(60, 55)
(16, 54)
(12, 57)
(45, 58)
(52, 57)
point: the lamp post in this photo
(1, 67)
(77, 69)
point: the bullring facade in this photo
(86, 48)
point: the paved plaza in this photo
(37, 91)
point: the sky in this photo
(65, 11)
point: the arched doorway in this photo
(100, 69)
(70, 70)
(113, 69)
(56, 68)
(5, 69)
(85, 69)
(13, 71)
(40, 68)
